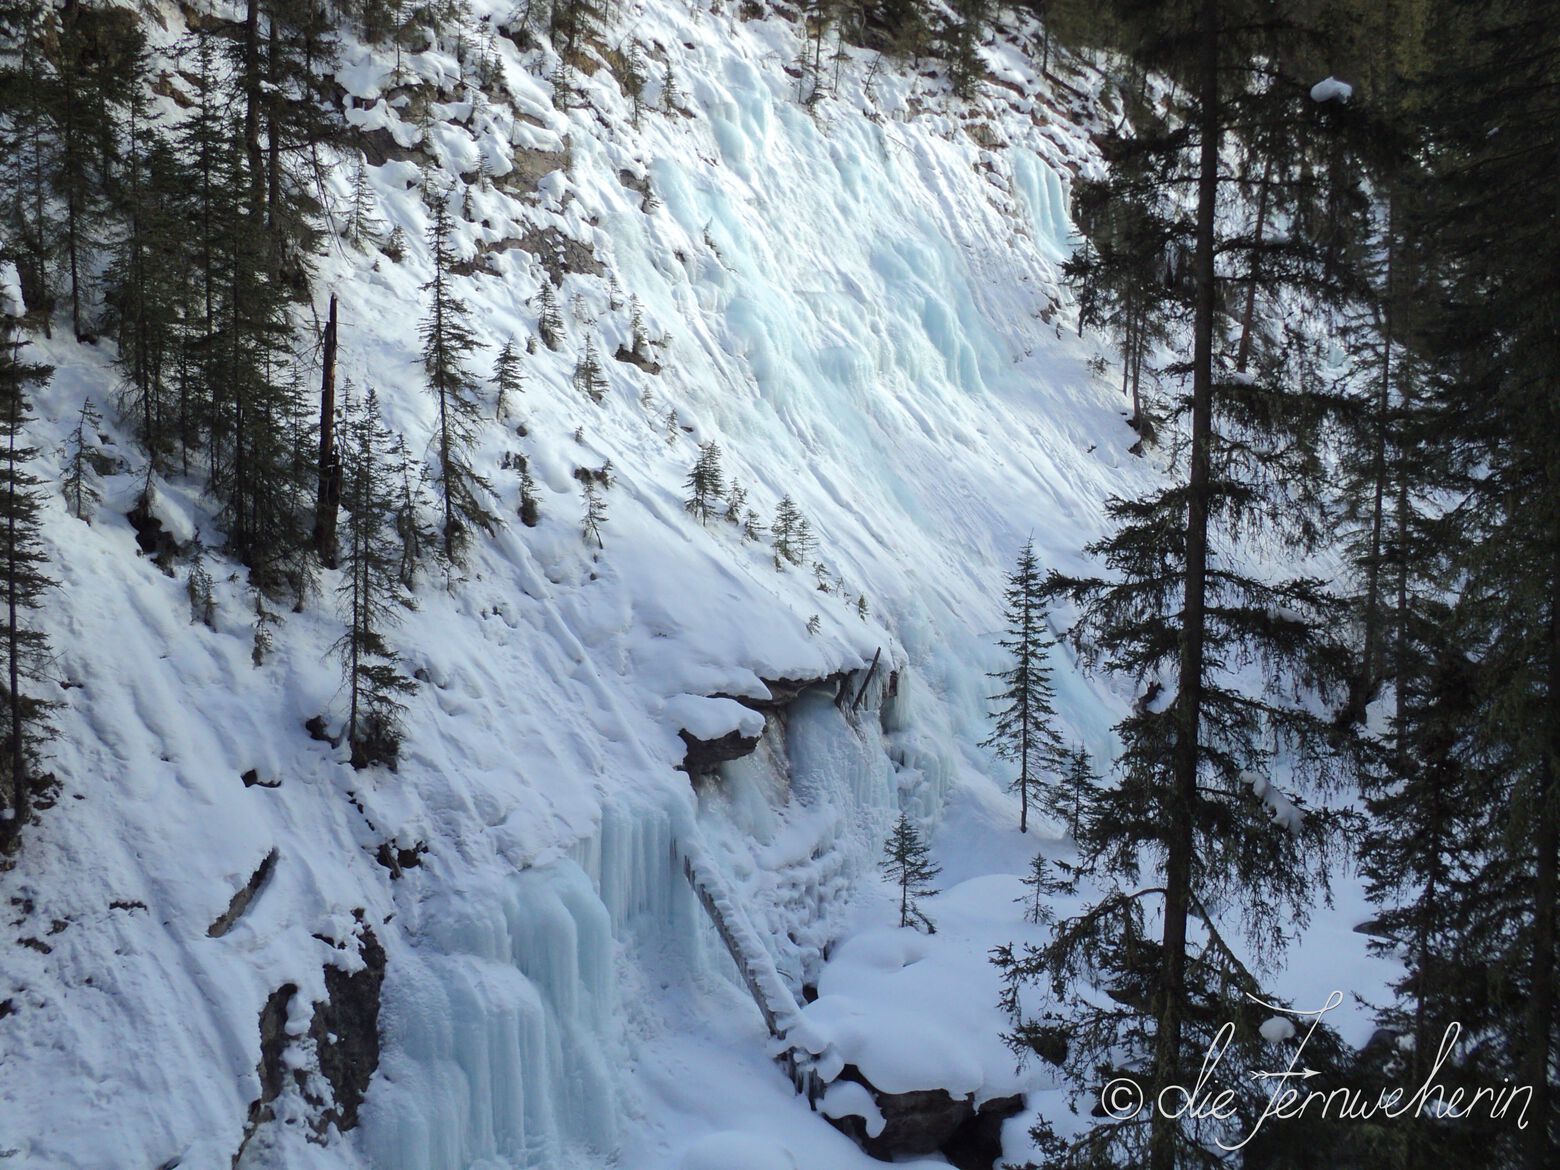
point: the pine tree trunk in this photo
(328, 494)
(1027, 717)
(252, 100)
(1243, 354)
(72, 165)
(1546, 886)
(273, 197)
(1370, 668)
(1180, 837)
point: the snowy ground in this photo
(860, 303)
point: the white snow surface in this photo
(1331, 89)
(860, 303)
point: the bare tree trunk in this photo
(252, 100)
(1180, 840)
(1243, 353)
(1546, 886)
(328, 495)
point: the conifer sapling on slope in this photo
(793, 535)
(447, 338)
(705, 483)
(907, 863)
(595, 512)
(78, 484)
(507, 377)
(371, 593)
(1025, 730)
(589, 378)
(549, 323)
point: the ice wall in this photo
(499, 1031)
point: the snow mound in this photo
(1331, 89)
(736, 1151)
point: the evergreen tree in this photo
(1129, 274)
(200, 589)
(79, 483)
(792, 534)
(736, 502)
(148, 296)
(257, 467)
(961, 44)
(1076, 790)
(447, 338)
(595, 511)
(265, 620)
(372, 593)
(28, 152)
(549, 324)
(22, 576)
(508, 379)
(1025, 730)
(363, 222)
(530, 502)
(705, 483)
(907, 863)
(1041, 884)
(1177, 604)
(573, 24)
(589, 379)
(1493, 345)
(418, 540)
(98, 54)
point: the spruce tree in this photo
(792, 534)
(595, 511)
(736, 502)
(419, 540)
(372, 593)
(1178, 605)
(98, 54)
(508, 378)
(28, 157)
(79, 483)
(447, 339)
(363, 224)
(1493, 345)
(1076, 789)
(200, 589)
(961, 44)
(1025, 723)
(549, 323)
(907, 863)
(530, 501)
(589, 379)
(705, 483)
(148, 291)
(22, 575)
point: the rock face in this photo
(244, 896)
(977, 1144)
(345, 1030)
(932, 1121)
(920, 1122)
(704, 756)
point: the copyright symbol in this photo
(1122, 1099)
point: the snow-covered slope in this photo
(859, 301)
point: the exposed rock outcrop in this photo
(931, 1121)
(345, 1031)
(243, 897)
